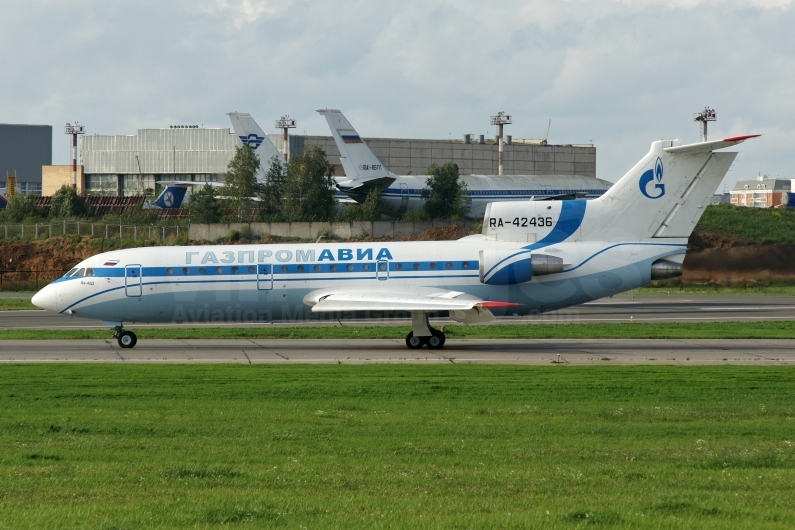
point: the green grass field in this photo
(94, 446)
(13, 304)
(638, 330)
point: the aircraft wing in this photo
(462, 307)
(184, 183)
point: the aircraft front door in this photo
(404, 198)
(132, 281)
(265, 277)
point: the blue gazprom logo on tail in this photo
(649, 176)
(252, 140)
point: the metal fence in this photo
(87, 228)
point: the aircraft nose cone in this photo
(45, 298)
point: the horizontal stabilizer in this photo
(706, 147)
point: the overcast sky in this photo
(618, 73)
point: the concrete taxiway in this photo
(363, 351)
(673, 308)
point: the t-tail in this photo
(249, 133)
(664, 195)
(358, 161)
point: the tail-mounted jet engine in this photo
(509, 267)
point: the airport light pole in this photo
(500, 120)
(74, 130)
(705, 116)
(286, 123)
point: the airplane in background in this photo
(249, 133)
(400, 193)
(171, 197)
(532, 257)
(3, 199)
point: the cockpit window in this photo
(89, 272)
(69, 273)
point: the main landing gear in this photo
(422, 334)
(125, 338)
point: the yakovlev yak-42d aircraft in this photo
(533, 256)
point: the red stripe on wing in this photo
(497, 304)
(740, 138)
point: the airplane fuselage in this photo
(405, 193)
(269, 283)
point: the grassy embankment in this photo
(408, 446)
(748, 225)
(638, 330)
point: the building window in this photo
(136, 185)
(103, 185)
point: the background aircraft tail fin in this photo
(249, 132)
(664, 195)
(171, 197)
(358, 161)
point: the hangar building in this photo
(126, 165)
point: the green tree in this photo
(204, 206)
(446, 197)
(66, 203)
(241, 181)
(309, 187)
(369, 210)
(272, 191)
(21, 207)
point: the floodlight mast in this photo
(74, 130)
(286, 123)
(705, 116)
(500, 120)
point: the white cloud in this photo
(620, 73)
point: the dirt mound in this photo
(740, 262)
(442, 233)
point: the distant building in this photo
(130, 165)
(24, 149)
(721, 198)
(406, 156)
(762, 192)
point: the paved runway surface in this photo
(673, 308)
(504, 351)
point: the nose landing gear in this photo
(125, 338)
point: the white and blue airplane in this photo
(532, 257)
(400, 193)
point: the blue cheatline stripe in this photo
(679, 245)
(569, 220)
(277, 268)
(254, 280)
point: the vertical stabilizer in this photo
(358, 161)
(249, 133)
(171, 197)
(664, 195)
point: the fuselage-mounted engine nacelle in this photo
(509, 267)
